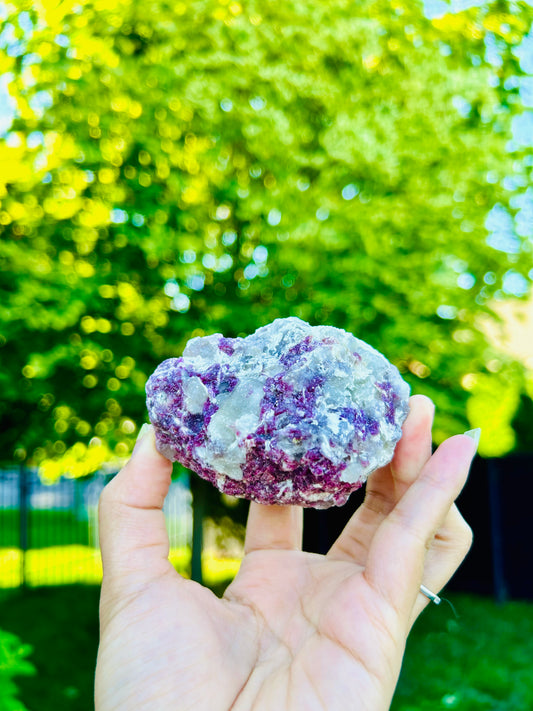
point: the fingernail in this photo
(475, 435)
(143, 433)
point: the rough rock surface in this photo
(292, 414)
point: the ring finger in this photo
(446, 552)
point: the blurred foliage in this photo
(176, 169)
(61, 624)
(480, 662)
(13, 663)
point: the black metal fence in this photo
(497, 502)
(49, 532)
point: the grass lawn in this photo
(68, 564)
(482, 662)
(61, 623)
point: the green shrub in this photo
(13, 663)
(207, 166)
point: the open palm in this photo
(294, 630)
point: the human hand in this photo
(294, 630)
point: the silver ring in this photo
(431, 595)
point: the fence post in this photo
(496, 534)
(24, 529)
(198, 509)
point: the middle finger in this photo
(387, 485)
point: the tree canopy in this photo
(178, 169)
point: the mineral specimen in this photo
(292, 414)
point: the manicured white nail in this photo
(143, 433)
(475, 435)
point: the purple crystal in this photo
(292, 414)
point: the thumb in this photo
(133, 537)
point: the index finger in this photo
(387, 484)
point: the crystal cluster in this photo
(292, 414)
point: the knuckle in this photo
(108, 498)
(463, 533)
(441, 484)
(103, 501)
(378, 502)
(467, 536)
(350, 546)
(408, 526)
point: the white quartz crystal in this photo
(293, 413)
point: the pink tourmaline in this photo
(292, 414)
